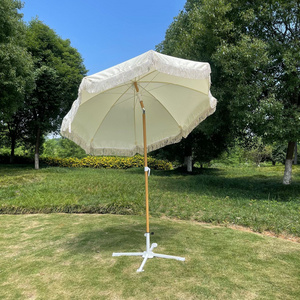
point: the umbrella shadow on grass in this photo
(118, 238)
(183, 171)
(213, 182)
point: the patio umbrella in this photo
(106, 117)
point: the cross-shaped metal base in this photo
(148, 253)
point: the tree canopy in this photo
(15, 61)
(58, 71)
(39, 77)
(253, 48)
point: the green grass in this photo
(69, 256)
(250, 197)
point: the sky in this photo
(106, 32)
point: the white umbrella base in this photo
(148, 253)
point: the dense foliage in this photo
(16, 72)
(62, 148)
(40, 73)
(58, 71)
(253, 48)
(15, 61)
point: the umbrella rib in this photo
(108, 112)
(97, 94)
(147, 91)
(162, 106)
(148, 82)
(167, 83)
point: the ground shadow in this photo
(258, 187)
(118, 238)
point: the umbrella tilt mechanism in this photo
(148, 253)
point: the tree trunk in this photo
(37, 150)
(188, 162)
(296, 155)
(12, 150)
(188, 158)
(287, 177)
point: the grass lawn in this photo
(250, 197)
(69, 256)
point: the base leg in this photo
(128, 254)
(140, 269)
(169, 256)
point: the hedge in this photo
(108, 162)
(18, 159)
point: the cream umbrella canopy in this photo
(106, 117)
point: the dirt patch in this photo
(267, 233)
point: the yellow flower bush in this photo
(108, 162)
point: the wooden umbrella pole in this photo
(146, 171)
(149, 248)
(145, 162)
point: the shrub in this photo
(108, 162)
(18, 159)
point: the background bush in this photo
(108, 162)
(18, 159)
(62, 147)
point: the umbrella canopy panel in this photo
(106, 118)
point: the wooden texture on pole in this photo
(145, 161)
(136, 86)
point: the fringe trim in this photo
(141, 65)
(138, 149)
(131, 70)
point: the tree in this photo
(62, 147)
(15, 62)
(187, 38)
(253, 48)
(43, 106)
(200, 146)
(15, 131)
(276, 114)
(15, 70)
(58, 71)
